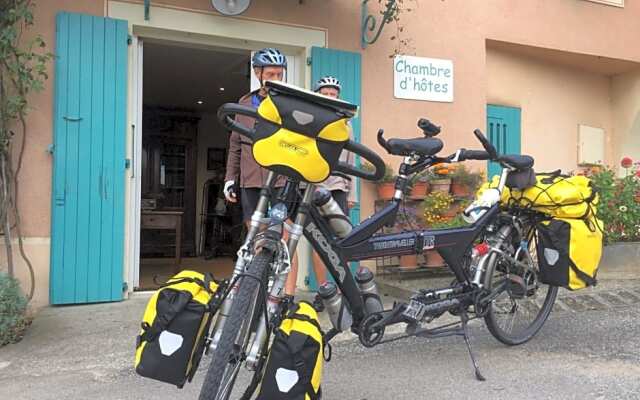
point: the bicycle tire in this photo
(241, 302)
(529, 331)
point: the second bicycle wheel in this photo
(522, 303)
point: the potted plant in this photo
(419, 185)
(432, 258)
(464, 182)
(437, 206)
(439, 178)
(386, 184)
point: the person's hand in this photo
(351, 204)
(230, 191)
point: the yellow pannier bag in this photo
(559, 196)
(174, 328)
(300, 134)
(294, 366)
(569, 251)
(553, 194)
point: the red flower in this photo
(626, 162)
(638, 173)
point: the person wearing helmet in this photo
(269, 64)
(339, 186)
(243, 173)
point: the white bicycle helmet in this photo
(327, 81)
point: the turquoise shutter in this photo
(87, 222)
(346, 66)
(503, 127)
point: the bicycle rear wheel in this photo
(228, 358)
(516, 314)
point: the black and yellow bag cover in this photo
(174, 328)
(569, 251)
(299, 137)
(294, 367)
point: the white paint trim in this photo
(203, 29)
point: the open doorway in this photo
(185, 223)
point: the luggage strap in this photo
(151, 332)
(295, 342)
(586, 278)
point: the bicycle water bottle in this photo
(369, 290)
(339, 314)
(481, 205)
(332, 212)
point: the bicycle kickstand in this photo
(465, 331)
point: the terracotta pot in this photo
(409, 261)
(451, 212)
(433, 259)
(460, 190)
(386, 190)
(441, 185)
(419, 190)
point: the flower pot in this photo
(386, 190)
(419, 190)
(460, 190)
(441, 185)
(451, 212)
(409, 262)
(433, 259)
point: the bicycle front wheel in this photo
(228, 356)
(516, 313)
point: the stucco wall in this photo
(452, 29)
(625, 102)
(554, 100)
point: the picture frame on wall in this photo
(215, 158)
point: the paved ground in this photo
(589, 349)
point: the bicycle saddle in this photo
(517, 161)
(422, 146)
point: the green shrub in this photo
(13, 310)
(618, 208)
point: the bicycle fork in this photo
(259, 343)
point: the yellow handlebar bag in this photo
(300, 134)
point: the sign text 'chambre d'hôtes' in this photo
(421, 78)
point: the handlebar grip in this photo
(369, 156)
(224, 116)
(493, 153)
(475, 155)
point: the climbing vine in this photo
(23, 70)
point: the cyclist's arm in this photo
(233, 158)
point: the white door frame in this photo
(196, 28)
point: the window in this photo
(590, 145)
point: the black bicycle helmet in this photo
(269, 57)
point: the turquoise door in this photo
(87, 228)
(346, 66)
(503, 128)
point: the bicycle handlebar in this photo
(226, 111)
